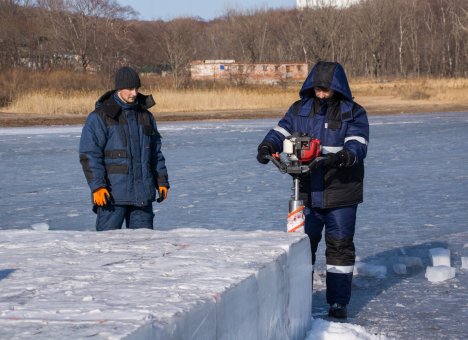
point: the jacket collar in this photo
(108, 105)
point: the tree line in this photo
(373, 38)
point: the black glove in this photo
(341, 159)
(327, 160)
(345, 158)
(264, 149)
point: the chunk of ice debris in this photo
(464, 260)
(40, 226)
(399, 268)
(439, 273)
(440, 257)
(372, 270)
(411, 261)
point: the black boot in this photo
(338, 311)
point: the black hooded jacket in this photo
(338, 123)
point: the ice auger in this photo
(302, 152)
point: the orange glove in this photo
(100, 197)
(162, 191)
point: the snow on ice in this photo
(324, 330)
(141, 284)
(186, 283)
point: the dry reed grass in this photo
(54, 103)
(80, 102)
(431, 89)
(223, 99)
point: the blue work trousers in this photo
(112, 217)
(340, 253)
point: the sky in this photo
(206, 9)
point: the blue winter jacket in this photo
(338, 123)
(120, 149)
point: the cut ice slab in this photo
(400, 268)
(464, 261)
(440, 256)
(439, 273)
(40, 226)
(371, 270)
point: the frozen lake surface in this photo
(416, 199)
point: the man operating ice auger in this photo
(333, 189)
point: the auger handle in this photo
(316, 160)
(282, 167)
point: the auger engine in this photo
(301, 152)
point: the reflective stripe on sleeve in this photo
(339, 269)
(330, 149)
(284, 132)
(361, 140)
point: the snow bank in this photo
(179, 284)
(324, 330)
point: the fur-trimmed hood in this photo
(107, 103)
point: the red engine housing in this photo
(309, 154)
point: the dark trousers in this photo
(340, 254)
(112, 217)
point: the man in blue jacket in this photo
(120, 152)
(334, 187)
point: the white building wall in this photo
(300, 4)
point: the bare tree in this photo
(372, 38)
(462, 19)
(372, 20)
(250, 32)
(16, 32)
(88, 29)
(178, 42)
(303, 32)
(285, 44)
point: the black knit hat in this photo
(127, 78)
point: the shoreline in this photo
(373, 107)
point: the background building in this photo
(248, 73)
(300, 4)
